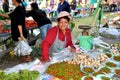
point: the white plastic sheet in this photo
(41, 67)
(21, 66)
(63, 55)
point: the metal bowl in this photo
(85, 27)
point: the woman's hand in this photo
(4, 15)
(22, 37)
(44, 60)
(72, 49)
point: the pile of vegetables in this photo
(88, 78)
(84, 59)
(111, 64)
(88, 70)
(105, 70)
(115, 48)
(107, 35)
(109, 55)
(30, 23)
(118, 45)
(105, 78)
(116, 58)
(65, 71)
(2, 30)
(22, 75)
(117, 71)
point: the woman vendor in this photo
(58, 37)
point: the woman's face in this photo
(63, 24)
(13, 2)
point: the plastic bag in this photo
(100, 43)
(22, 49)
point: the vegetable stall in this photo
(82, 65)
(6, 43)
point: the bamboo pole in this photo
(94, 21)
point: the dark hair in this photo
(65, 17)
(7, 1)
(105, 0)
(34, 6)
(19, 1)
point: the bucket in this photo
(86, 42)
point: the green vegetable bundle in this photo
(22, 75)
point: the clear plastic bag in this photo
(22, 49)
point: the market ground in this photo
(7, 61)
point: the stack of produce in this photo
(111, 64)
(84, 59)
(118, 45)
(65, 71)
(88, 78)
(1, 27)
(114, 49)
(111, 36)
(22, 75)
(116, 58)
(2, 30)
(30, 23)
(117, 71)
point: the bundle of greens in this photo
(22, 75)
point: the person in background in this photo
(63, 6)
(113, 4)
(58, 37)
(17, 17)
(5, 6)
(18, 29)
(74, 2)
(44, 23)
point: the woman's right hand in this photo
(4, 15)
(22, 37)
(72, 49)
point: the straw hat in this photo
(64, 13)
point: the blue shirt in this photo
(63, 7)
